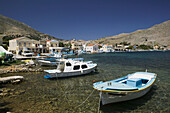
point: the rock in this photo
(4, 94)
(54, 99)
(22, 91)
(15, 81)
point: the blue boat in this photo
(126, 88)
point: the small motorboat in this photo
(47, 62)
(71, 67)
(126, 88)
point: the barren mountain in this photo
(11, 27)
(158, 34)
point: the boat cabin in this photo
(71, 65)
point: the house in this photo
(18, 44)
(106, 48)
(52, 43)
(119, 47)
(92, 48)
(76, 46)
(58, 49)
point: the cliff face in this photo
(159, 34)
(11, 27)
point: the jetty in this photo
(11, 79)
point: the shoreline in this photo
(20, 68)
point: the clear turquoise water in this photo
(64, 95)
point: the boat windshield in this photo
(61, 66)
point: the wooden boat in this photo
(126, 88)
(70, 67)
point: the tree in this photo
(61, 44)
(145, 47)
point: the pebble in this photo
(19, 68)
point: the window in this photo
(29, 44)
(68, 64)
(77, 67)
(84, 66)
(51, 45)
(24, 43)
(19, 43)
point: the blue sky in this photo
(87, 19)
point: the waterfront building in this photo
(119, 47)
(52, 43)
(92, 48)
(76, 46)
(18, 44)
(58, 49)
(106, 48)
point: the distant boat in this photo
(55, 55)
(47, 61)
(70, 67)
(126, 88)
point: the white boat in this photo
(69, 67)
(47, 62)
(126, 88)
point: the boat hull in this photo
(70, 74)
(47, 63)
(113, 97)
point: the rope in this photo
(99, 102)
(63, 92)
(85, 99)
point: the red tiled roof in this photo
(17, 38)
(90, 45)
(48, 40)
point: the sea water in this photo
(37, 94)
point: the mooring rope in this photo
(85, 99)
(63, 92)
(99, 102)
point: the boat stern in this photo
(51, 73)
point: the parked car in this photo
(27, 53)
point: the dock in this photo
(11, 79)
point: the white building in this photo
(52, 43)
(106, 48)
(18, 44)
(76, 46)
(92, 48)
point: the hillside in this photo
(13, 28)
(158, 34)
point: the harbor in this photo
(89, 56)
(36, 93)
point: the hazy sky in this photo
(87, 19)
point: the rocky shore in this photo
(10, 92)
(20, 68)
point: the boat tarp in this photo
(3, 50)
